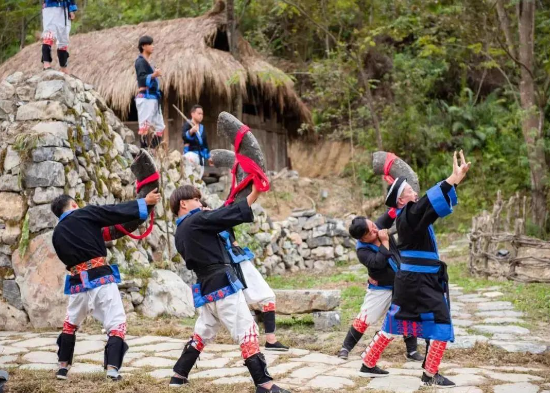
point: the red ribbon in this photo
(390, 158)
(142, 236)
(147, 180)
(255, 173)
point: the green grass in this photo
(313, 280)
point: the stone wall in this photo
(305, 240)
(58, 136)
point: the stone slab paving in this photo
(478, 319)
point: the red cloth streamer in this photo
(147, 180)
(255, 173)
(390, 158)
(139, 185)
(136, 237)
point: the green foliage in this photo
(24, 241)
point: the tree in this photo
(533, 100)
(232, 34)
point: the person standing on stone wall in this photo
(195, 142)
(56, 20)
(218, 292)
(256, 289)
(92, 283)
(420, 301)
(151, 122)
(376, 250)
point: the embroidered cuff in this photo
(438, 201)
(149, 80)
(143, 213)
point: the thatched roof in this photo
(183, 51)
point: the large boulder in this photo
(12, 206)
(290, 301)
(167, 294)
(40, 276)
(12, 319)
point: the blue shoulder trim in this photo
(65, 214)
(179, 220)
(370, 246)
(438, 201)
(142, 206)
(73, 8)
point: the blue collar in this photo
(179, 220)
(66, 214)
(371, 246)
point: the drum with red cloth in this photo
(147, 179)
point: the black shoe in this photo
(437, 380)
(372, 372)
(176, 382)
(415, 357)
(277, 346)
(274, 389)
(343, 354)
(62, 373)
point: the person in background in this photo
(151, 122)
(195, 142)
(56, 19)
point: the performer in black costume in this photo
(218, 293)
(92, 283)
(377, 251)
(420, 304)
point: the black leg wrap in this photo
(63, 57)
(352, 338)
(411, 343)
(269, 321)
(186, 361)
(66, 343)
(114, 352)
(426, 355)
(257, 366)
(46, 53)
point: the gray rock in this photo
(263, 237)
(319, 241)
(467, 342)
(137, 298)
(45, 174)
(502, 320)
(12, 206)
(167, 294)
(15, 78)
(493, 329)
(314, 221)
(11, 292)
(520, 346)
(303, 213)
(6, 108)
(322, 253)
(326, 320)
(5, 260)
(55, 129)
(499, 314)
(12, 319)
(46, 195)
(25, 93)
(339, 250)
(524, 387)
(306, 301)
(7, 90)
(40, 110)
(55, 90)
(10, 183)
(60, 154)
(495, 306)
(11, 160)
(41, 217)
(322, 230)
(215, 187)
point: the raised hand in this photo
(459, 171)
(153, 197)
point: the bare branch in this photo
(505, 26)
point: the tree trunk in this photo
(532, 121)
(505, 26)
(370, 103)
(23, 36)
(232, 35)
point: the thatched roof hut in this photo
(193, 54)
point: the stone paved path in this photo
(478, 317)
